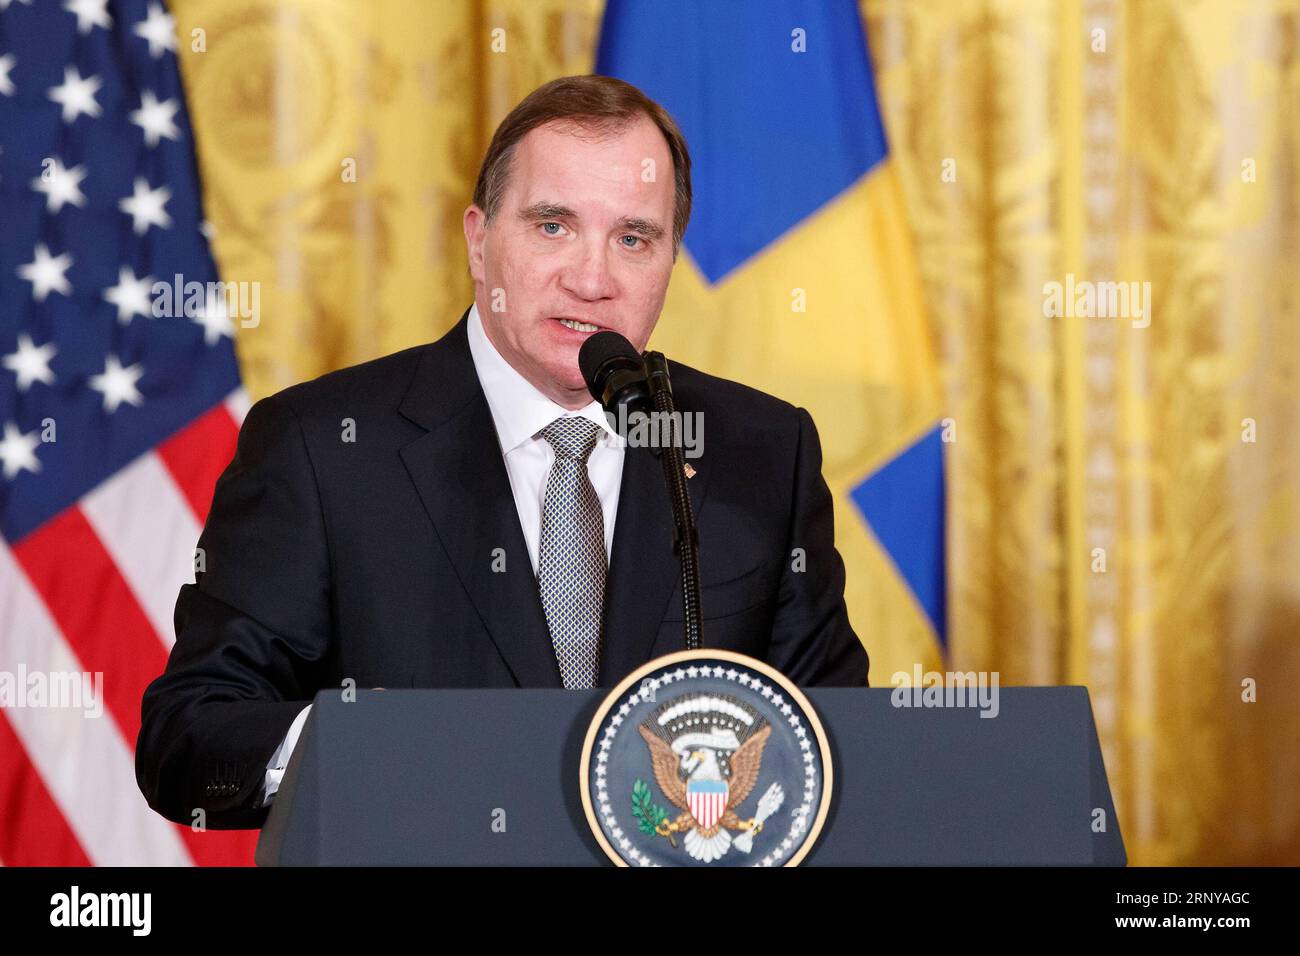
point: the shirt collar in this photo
(519, 410)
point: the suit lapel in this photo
(462, 481)
(461, 478)
(644, 570)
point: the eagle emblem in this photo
(706, 752)
(705, 757)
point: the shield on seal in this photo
(707, 800)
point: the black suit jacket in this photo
(373, 559)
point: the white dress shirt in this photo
(519, 412)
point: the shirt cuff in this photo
(280, 759)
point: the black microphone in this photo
(625, 383)
(615, 376)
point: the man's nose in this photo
(587, 275)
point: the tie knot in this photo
(572, 437)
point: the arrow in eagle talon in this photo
(768, 805)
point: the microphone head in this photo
(615, 377)
(599, 354)
(602, 354)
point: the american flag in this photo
(116, 421)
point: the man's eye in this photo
(548, 232)
(634, 239)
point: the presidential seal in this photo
(709, 758)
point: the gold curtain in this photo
(1124, 497)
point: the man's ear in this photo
(474, 223)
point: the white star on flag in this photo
(155, 118)
(60, 185)
(4, 4)
(18, 451)
(31, 363)
(130, 295)
(77, 94)
(118, 384)
(7, 63)
(146, 206)
(159, 29)
(215, 318)
(89, 13)
(46, 273)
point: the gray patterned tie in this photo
(571, 554)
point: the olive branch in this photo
(648, 813)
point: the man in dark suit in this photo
(461, 514)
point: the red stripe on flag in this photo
(33, 831)
(109, 632)
(198, 454)
(96, 611)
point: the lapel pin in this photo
(690, 472)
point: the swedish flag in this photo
(798, 276)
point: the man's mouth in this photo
(577, 325)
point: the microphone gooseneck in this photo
(686, 538)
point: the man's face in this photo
(580, 235)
